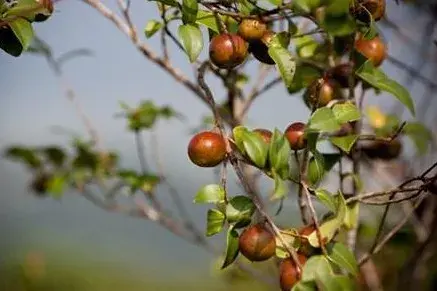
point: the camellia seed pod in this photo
(257, 243)
(373, 49)
(288, 274)
(321, 92)
(227, 50)
(252, 29)
(265, 134)
(295, 135)
(207, 149)
(365, 10)
(259, 48)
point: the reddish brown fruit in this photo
(362, 9)
(373, 49)
(207, 149)
(252, 29)
(265, 134)
(321, 92)
(289, 275)
(257, 243)
(341, 75)
(259, 48)
(295, 135)
(227, 50)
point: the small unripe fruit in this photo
(373, 49)
(382, 149)
(227, 50)
(252, 29)
(265, 134)
(257, 243)
(295, 135)
(362, 9)
(259, 48)
(207, 149)
(341, 75)
(321, 92)
(288, 274)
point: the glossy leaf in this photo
(378, 79)
(25, 155)
(189, 11)
(329, 227)
(255, 148)
(279, 152)
(343, 257)
(211, 193)
(27, 9)
(207, 19)
(338, 25)
(239, 208)
(152, 27)
(316, 266)
(192, 40)
(346, 112)
(319, 165)
(284, 60)
(352, 215)
(238, 133)
(231, 247)
(323, 119)
(215, 221)
(280, 188)
(23, 31)
(327, 199)
(345, 143)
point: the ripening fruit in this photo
(252, 29)
(321, 92)
(373, 49)
(362, 9)
(259, 48)
(265, 134)
(207, 149)
(295, 135)
(382, 149)
(257, 243)
(341, 75)
(288, 274)
(227, 50)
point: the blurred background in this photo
(69, 244)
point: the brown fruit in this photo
(257, 243)
(295, 135)
(227, 50)
(382, 149)
(259, 48)
(288, 274)
(252, 29)
(321, 92)
(373, 49)
(265, 134)
(207, 149)
(362, 9)
(341, 75)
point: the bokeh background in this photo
(77, 246)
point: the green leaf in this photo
(231, 247)
(320, 164)
(329, 227)
(345, 143)
(316, 266)
(303, 77)
(323, 119)
(280, 189)
(211, 193)
(136, 181)
(306, 46)
(192, 40)
(23, 31)
(238, 132)
(284, 61)
(345, 112)
(255, 148)
(327, 199)
(279, 152)
(25, 155)
(304, 286)
(189, 11)
(343, 257)
(305, 5)
(172, 3)
(207, 19)
(378, 79)
(215, 220)
(55, 155)
(239, 208)
(337, 7)
(352, 215)
(28, 10)
(152, 27)
(276, 2)
(419, 135)
(56, 185)
(338, 25)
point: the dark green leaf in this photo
(327, 199)
(239, 208)
(345, 112)
(345, 143)
(231, 247)
(215, 220)
(343, 257)
(25, 155)
(23, 31)
(284, 60)
(279, 153)
(320, 164)
(337, 7)
(192, 40)
(9, 42)
(280, 189)
(305, 6)
(378, 79)
(55, 155)
(323, 119)
(211, 193)
(189, 11)
(316, 266)
(152, 27)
